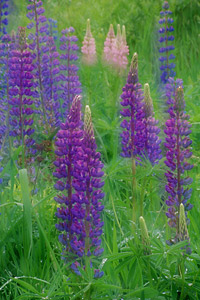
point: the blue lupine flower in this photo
(166, 48)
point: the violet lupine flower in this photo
(152, 141)
(89, 47)
(71, 213)
(6, 46)
(133, 135)
(166, 40)
(20, 91)
(71, 85)
(109, 45)
(4, 4)
(52, 31)
(38, 41)
(88, 183)
(178, 151)
(120, 50)
(50, 78)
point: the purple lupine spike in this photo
(50, 78)
(166, 40)
(52, 31)
(20, 92)
(133, 135)
(152, 141)
(178, 143)
(6, 46)
(4, 12)
(38, 41)
(88, 183)
(67, 142)
(70, 85)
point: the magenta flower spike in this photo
(21, 86)
(178, 144)
(109, 45)
(88, 49)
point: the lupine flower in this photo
(52, 31)
(89, 47)
(50, 78)
(88, 183)
(79, 173)
(166, 40)
(178, 143)
(4, 4)
(152, 141)
(5, 51)
(144, 236)
(109, 45)
(133, 135)
(68, 140)
(120, 50)
(38, 41)
(20, 92)
(71, 85)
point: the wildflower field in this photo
(99, 149)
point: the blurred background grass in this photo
(141, 21)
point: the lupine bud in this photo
(144, 236)
(89, 48)
(178, 143)
(166, 39)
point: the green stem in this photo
(134, 191)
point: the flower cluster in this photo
(152, 141)
(133, 135)
(116, 49)
(3, 17)
(52, 31)
(5, 51)
(165, 40)
(78, 169)
(20, 91)
(89, 48)
(178, 143)
(70, 85)
(50, 78)
(68, 139)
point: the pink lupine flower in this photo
(109, 46)
(89, 48)
(120, 50)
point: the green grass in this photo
(30, 253)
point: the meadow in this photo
(143, 258)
